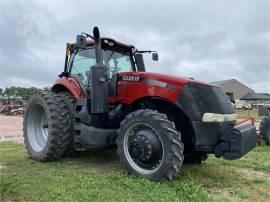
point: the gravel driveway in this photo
(11, 128)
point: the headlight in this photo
(212, 117)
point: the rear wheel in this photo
(149, 145)
(46, 126)
(265, 129)
(69, 100)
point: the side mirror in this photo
(155, 56)
(81, 41)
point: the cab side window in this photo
(117, 62)
(80, 67)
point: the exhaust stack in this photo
(97, 46)
(98, 99)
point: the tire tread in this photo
(175, 153)
(60, 126)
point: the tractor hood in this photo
(171, 80)
(136, 85)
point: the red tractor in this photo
(105, 97)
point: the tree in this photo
(8, 93)
(19, 93)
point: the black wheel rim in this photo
(143, 148)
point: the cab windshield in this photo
(114, 60)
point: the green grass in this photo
(97, 176)
(244, 114)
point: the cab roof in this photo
(106, 40)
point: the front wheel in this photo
(149, 145)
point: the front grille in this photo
(196, 99)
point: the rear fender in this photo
(69, 84)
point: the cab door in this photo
(80, 64)
(116, 62)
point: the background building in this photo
(245, 97)
(257, 99)
(234, 88)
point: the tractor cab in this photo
(104, 56)
(116, 56)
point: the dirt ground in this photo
(11, 128)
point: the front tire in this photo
(46, 126)
(149, 145)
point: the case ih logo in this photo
(149, 81)
(131, 78)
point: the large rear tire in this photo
(265, 129)
(69, 100)
(46, 126)
(149, 145)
